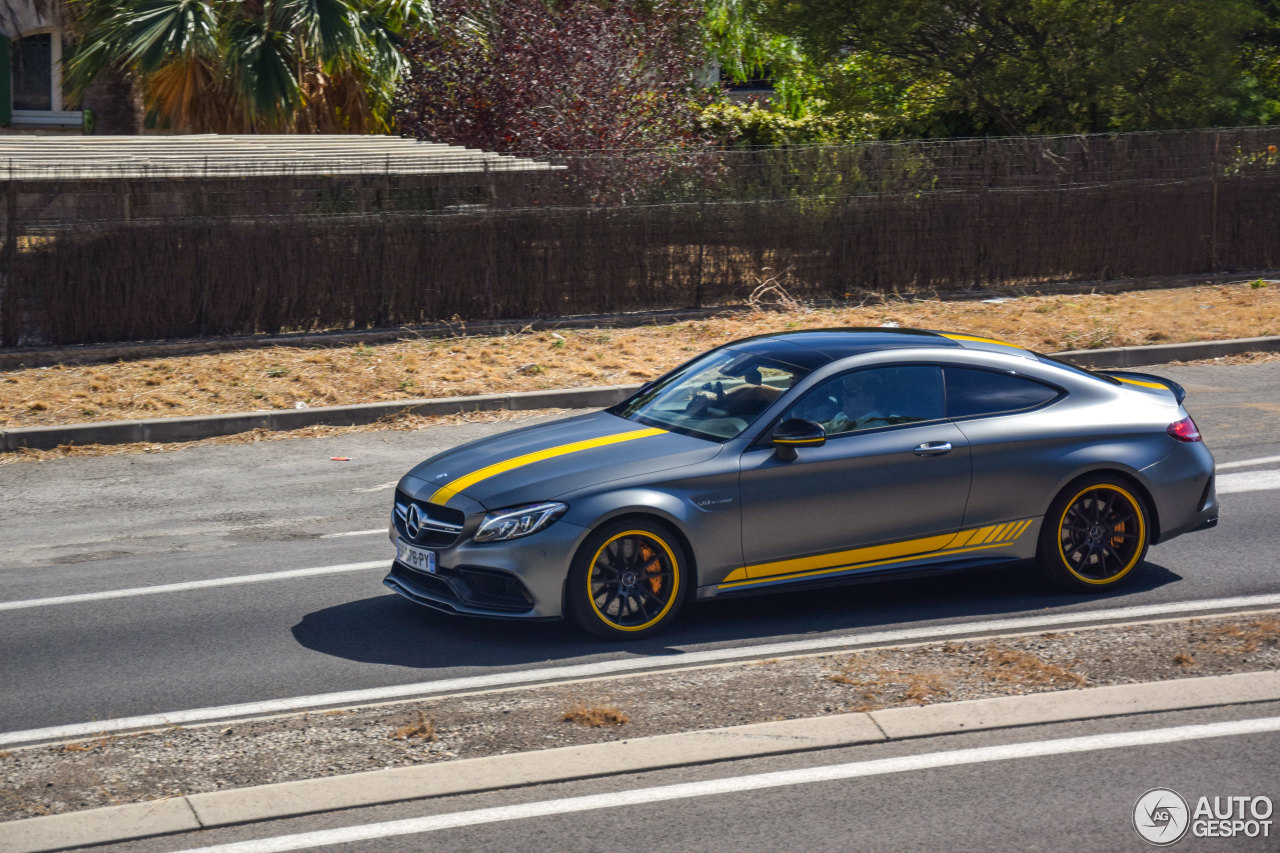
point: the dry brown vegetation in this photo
(594, 716)
(420, 728)
(1243, 638)
(1001, 668)
(283, 377)
(1022, 668)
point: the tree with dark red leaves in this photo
(523, 76)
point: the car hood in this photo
(546, 461)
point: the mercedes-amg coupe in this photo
(806, 458)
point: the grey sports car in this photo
(799, 459)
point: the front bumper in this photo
(518, 579)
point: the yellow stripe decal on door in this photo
(910, 550)
(443, 495)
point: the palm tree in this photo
(216, 66)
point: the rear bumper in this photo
(1182, 486)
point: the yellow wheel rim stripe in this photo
(1137, 552)
(675, 580)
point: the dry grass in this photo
(1243, 638)
(282, 377)
(420, 728)
(1023, 669)
(924, 687)
(1008, 669)
(1184, 659)
(594, 716)
(881, 687)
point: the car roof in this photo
(813, 348)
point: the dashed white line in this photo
(752, 782)
(383, 487)
(185, 586)
(354, 533)
(1247, 463)
(631, 664)
(1251, 481)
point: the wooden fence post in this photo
(1213, 217)
(10, 302)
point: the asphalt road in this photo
(94, 524)
(1077, 801)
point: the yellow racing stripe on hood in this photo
(443, 495)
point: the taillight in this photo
(1184, 430)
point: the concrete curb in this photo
(377, 787)
(159, 430)
(1164, 353)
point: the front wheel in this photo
(627, 580)
(1094, 534)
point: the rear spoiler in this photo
(1133, 378)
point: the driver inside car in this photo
(861, 405)
(745, 401)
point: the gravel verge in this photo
(122, 769)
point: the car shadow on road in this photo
(388, 630)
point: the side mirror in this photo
(789, 435)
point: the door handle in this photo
(933, 448)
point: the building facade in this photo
(32, 95)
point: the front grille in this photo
(483, 589)
(439, 526)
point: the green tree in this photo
(976, 67)
(261, 65)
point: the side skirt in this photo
(857, 576)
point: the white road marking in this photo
(235, 580)
(1247, 463)
(354, 533)
(1251, 481)
(384, 486)
(752, 782)
(462, 684)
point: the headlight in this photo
(518, 521)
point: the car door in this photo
(1019, 442)
(895, 484)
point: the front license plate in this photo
(418, 559)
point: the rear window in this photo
(1075, 368)
(984, 392)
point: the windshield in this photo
(715, 397)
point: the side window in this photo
(876, 397)
(983, 392)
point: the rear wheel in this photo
(1095, 533)
(627, 580)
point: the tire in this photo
(1094, 535)
(627, 580)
